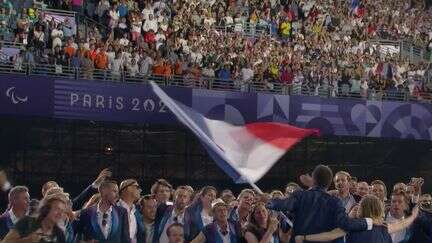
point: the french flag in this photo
(246, 153)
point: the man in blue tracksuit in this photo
(316, 211)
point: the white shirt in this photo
(172, 219)
(13, 217)
(207, 219)
(150, 25)
(149, 232)
(225, 238)
(107, 229)
(116, 65)
(146, 12)
(399, 235)
(247, 74)
(146, 64)
(133, 226)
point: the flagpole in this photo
(255, 187)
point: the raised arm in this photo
(284, 205)
(400, 225)
(325, 236)
(199, 239)
(343, 221)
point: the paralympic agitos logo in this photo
(15, 98)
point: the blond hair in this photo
(371, 207)
(339, 173)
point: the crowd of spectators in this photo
(119, 213)
(318, 45)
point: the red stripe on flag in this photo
(279, 135)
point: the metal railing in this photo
(212, 83)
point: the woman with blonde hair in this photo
(370, 207)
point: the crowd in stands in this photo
(319, 44)
(107, 212)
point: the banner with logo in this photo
(136, 103)
(26, 96)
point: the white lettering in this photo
(162, 107)
(119, 103)
(110, 102)
(149, 105)
(100, 101)
(73, 99)
(87, 100)
(135, 103)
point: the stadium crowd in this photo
(354, 212)
(316, 44)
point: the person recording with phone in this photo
(263, 226)
(43, 228)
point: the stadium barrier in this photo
(202, 82)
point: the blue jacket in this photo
(212, 236)
(316, 211)
(193, 223)
(82, 198)
(163, 214)
(5, 225)
(140, 235)
(421, 229)
(89, 229)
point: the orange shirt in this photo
(92, 55)
(158, 69)
(178, 68)
(70, 51)
(167, 71)
(101, 60)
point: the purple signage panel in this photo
(136, 103)
(108, 101)
(22, 95)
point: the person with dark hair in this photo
(221, 230)
(168, 214)
(399, 204)
(175, 233)
(162, 190)
(19, 199)
(264, 226)
(42, 228)
(291, 188)
(379, 189)
(315, 210)
(371, 207)
(105, 222)
(421, 229)
(86, 194)
(343, 192)
(148, 210)
(33, 207)
(240, 214)
(130, 192)
(198, 214)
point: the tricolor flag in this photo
(245, 152)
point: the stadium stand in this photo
(364, 49)
(344, 49)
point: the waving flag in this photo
(245, 152)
